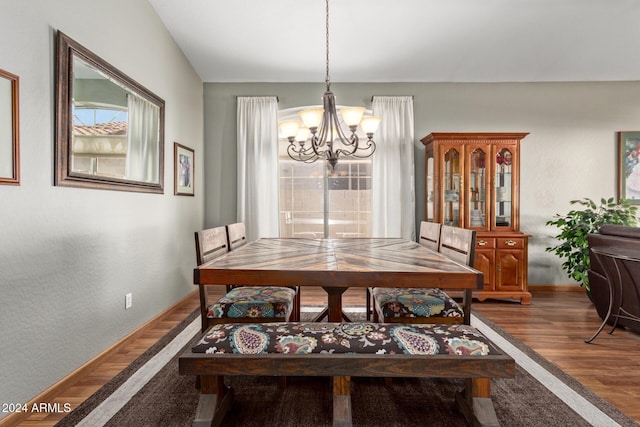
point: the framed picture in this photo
(629, 166)
(9, 129)
(183, 158)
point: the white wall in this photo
(569, 154)
(68, 256)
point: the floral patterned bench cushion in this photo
(346, 337)
(254, 301)
(414, 302)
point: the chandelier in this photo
(321, 136)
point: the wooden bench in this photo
(343, 350)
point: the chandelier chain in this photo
(327, 80)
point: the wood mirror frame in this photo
(9, 137)
(73, 62)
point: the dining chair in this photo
(245, 304)
(236, 235)
(236, 238)
(430, 305)
(429, 237)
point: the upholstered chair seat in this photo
(255, 302)
(394, 304)
(429, 305)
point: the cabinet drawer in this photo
(485, 243)
(510, 243)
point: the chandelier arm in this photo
(318, 140)
(300, 150)
(335, 123)
(315, 145)
(353, 143)
(311, 150)
(301, 156)
(367, 148)
(366, 152)
(323, 143)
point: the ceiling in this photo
(408, 40)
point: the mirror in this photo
(9, 141)
(109, 128)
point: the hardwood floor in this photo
(555, 325)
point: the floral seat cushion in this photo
(347, 337)
(414, 302)
(254, 301)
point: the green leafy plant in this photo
(576, 225)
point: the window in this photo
(316, 202)
(99, 139)
(313, 198)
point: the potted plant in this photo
(578, 223)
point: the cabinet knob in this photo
(510, 243)
(482, 243)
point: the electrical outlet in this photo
(127, 301)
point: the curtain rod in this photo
(373, 96)
(255, 96)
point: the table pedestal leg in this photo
(334, 298)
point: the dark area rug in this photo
(170, 399)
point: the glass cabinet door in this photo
(452, 169)
(429, 171)
(477, 189)
(503, 188)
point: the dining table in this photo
(337, 265)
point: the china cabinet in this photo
(473, 181)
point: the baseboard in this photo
(46, 396)
(556, 288)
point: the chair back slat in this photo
(458, 244)
(236, 235)
(429, 235)
(210, 243)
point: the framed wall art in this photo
(629, 166)
(184, 158)
(9, 129)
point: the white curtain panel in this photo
(393, 184)
(142, 140)
(258, 205)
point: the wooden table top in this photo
(354, 262)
